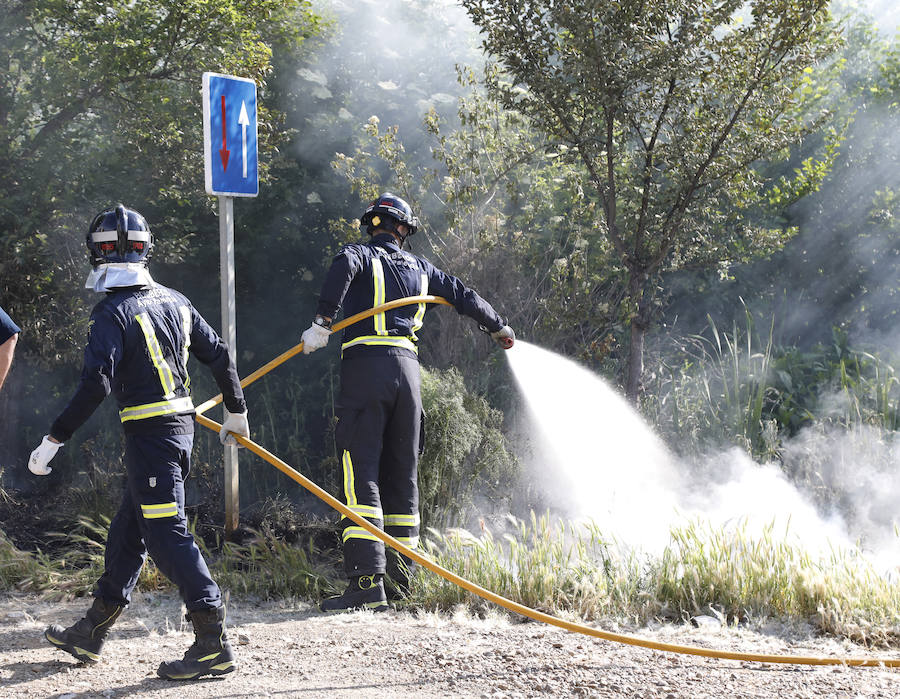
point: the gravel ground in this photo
(290, 650)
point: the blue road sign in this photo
(229, 135)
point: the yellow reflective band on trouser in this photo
(378, 319)
(166, 380)
(402, 520)
(358, 533)
(163, 407)
(166, 509)
(388, 340)
(410, 541)
(349, 489)
(367, 511)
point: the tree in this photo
(99, 101)
(507, 215)
(667, 106)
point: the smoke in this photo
(595, 458)
(884, 13)
(394, 59)
(859, 469)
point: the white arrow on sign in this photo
(244, 121)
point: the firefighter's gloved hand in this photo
(505, 337)
(314, 337)
(42, 456)
(235, 423)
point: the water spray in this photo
(508, 604)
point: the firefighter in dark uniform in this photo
(139, 338)
(380, 406)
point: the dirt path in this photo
(293, 651)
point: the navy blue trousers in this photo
(378, 432)
(151, 520)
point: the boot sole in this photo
(215, 670)
(80, 654)
(371, 606)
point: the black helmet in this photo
(119, 235)
(386, 212)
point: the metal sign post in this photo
(229, 129)
(229, 333)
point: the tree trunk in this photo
(639, 325)
(635, 361)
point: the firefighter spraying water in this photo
(138, 344)
(380, 430)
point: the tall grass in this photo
(268, 567)
(741, 389)
(265, 566)
(544, 565)
(569, 569)
(77, 563)
(15, 565)
(563, 568)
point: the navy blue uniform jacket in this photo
(137, 349)
(364, 275)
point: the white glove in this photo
(505, 337)
(41, 456)
(236, 423)
(314, 337)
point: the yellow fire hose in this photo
(470, 586)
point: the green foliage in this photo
(667, 108)
(495, 197)
(101, 105)
(841, 269)
(467, 461)
(742, 389)
(737, 576)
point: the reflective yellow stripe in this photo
(166, 509)
(349, 490)
(358, 533)
(166, 380)
(379, 295)
(411, 541)
(367, 511)
(186, 326)
(419, 317)
(402, 520)
(390, 341)
(165, 407)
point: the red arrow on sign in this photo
(224, 153)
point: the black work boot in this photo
(210, 654)
(363, 592)
(85, 637)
